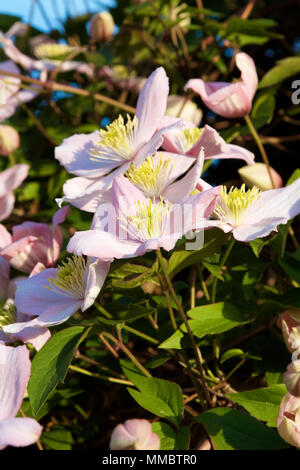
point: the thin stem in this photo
(54, 86)
(128, 354)
(193, 287)
(103, 310)
(98, 376)
(260, 146)
(202, 282)
(186, 323)
(140, 334)
(222, 263)
(170, 308)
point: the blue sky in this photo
(22, 8)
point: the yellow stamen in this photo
(52, 51)
(149, 220)
(152, 176)
(187, 138)
(8, 315)
(117, 141)
(234, 204)
(69, 278)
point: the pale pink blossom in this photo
(288, 421)
(140, 224)
(230, 100)
(134, 434)
(254, 214)
(33, 243)
(14, 375)
(55, 294)
(188, 140)
(97, 158)
(10, 179)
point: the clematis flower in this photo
(33, 243)
(10, 179)
(230, 100)
(254, 214)
(177, 106)
(189, 139)
(14, 375)
(258, 175)
(97, 158)
(54, 294)
(288, 421)
(134, 434)
(141, 224)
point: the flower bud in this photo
(292, 378)
(9, 140)
(102, 27)
(258, 175)
(177, 106)
(290, 329)
(134, 434)
(288, 421)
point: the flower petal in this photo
(19, 432)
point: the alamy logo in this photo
(296, 94)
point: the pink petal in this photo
(151, 105)
(7, 203)
(5, 237)
(19, 432)
(246, 65)
(75, 155)
(97, 273)
(12, 178)
(14, 375)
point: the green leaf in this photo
(130, 276)
(51, 363)
(209, 319)
(290, 264)
(58, 438)
(235, 430)
(262, 403)
(160, 397)
(294, 176)
(263, 108)
(183, 439)
(285, 68)
(166, 434)
(182, 258)
(232, 353)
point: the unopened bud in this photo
(9, 140)
(178, 106)
(290, 327)
(134, 434)
(102, 27)
(258, 175)
(292, 378)
(288, 421)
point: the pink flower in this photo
(136, 224)
(289, 321)
(14, 376)
(189, 139)
(288, 421)
(53, 295)
(254, 214)
(10, 179)
(134, 434)
(97, 158)
(229, 100)
(33, 243)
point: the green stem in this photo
(259, 145)
(202, 282)
(186, 323)
(140, 334)
(103, 310)
(222, 263)
(98, 376)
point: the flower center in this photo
(117, 142)
(52, 51)
(150, 219)
(8, 315)
(69, 278)
(186, 138)
(234, 204)
(152, 176)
